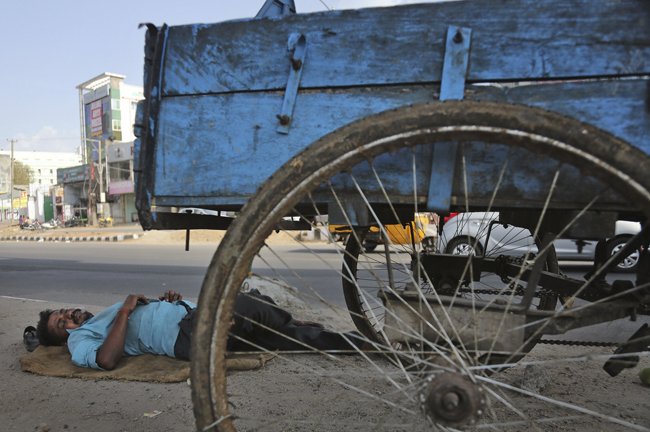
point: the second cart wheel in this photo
(377, 172)
(362, 288)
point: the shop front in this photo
(121, 194)
(71, 192)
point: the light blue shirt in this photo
(152, 328)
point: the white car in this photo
(567, 249)
(466, 233)
(198, 211)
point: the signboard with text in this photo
(73, 174)
(20, 202)
(120, 187)
(119, 152)
(96, 118)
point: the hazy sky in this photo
(48, 47)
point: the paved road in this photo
(100, 274)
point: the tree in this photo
(23, 174)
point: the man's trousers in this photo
(260, 324)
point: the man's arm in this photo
(112, 350)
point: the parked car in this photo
(198, 211)
(465, 234)
(567, 249)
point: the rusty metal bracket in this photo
(443, 165)
(456, 62)
(454, 72)
(291, 93)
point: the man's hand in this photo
(132, 301)
(111, 351)
(170, 296)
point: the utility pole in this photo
(11, 177)
(92, 202)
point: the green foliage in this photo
(23, 174)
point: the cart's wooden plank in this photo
(511, 40)
(217, 149)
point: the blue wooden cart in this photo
(535, 115)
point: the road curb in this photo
(68, 239)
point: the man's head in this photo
(53, 326)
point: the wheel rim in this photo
(463, 249)
(228, 271)
(630, 261)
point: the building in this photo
(44, 165)
(71, 192)
(34, 199)
(5, 173)
(121, 197)
(107, 110)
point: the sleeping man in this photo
(164, 326)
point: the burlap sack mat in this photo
(55, 361)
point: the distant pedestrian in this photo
(20, 221)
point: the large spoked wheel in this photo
(377, 172)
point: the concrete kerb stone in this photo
(114, 238)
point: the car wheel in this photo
(629, 264)
(464, 246)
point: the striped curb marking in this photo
(114, 238)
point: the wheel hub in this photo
(452, 400)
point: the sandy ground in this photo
(200, 236)
(36, 403)
(298, 383)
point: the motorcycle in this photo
(74, 222)
(104, 222)
(34, 226)
(52, 224)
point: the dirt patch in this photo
(178, 237)
(203, 236)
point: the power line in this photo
(328, 8)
